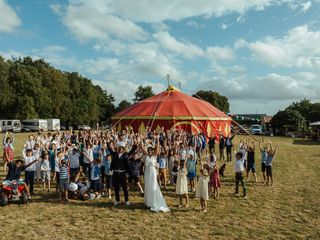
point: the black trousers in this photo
(29, 179)
(119, 179)
(87, 170)
(239, 179)
(229, 153)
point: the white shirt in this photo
(45, 165)
(74, 160)
(239, 166)
(28, 160)
(88, 157)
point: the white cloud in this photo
(305, 6)
(88, 20)
(9, 20)
(195, 24)
(299, 48)
(270, 87)
(225, 25)
(157, 11)
(188, 50)
(220, 53)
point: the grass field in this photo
(288, 210)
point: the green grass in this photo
(288, 210)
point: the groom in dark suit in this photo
(120, 167)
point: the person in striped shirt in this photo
(63, 179)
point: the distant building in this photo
(249, 119)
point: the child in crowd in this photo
(37, 155)
(108, 174)
(202, 191)
(45, 170)
(264, 154)
(215, 181)
(182, 183)
(134, 171)
(251, 165)
(63, 178)
(171, 159)
(30, 170)
(8, 149)
(174, 173)
(269, 160)
(239, 168)
(74, 160)
(191, 168)
(162, 161)
(95, 178)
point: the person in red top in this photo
(8, 149)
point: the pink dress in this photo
(215, 179)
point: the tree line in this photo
(297, 116)
(34, 89)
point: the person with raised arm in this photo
(153, 197)
(120, 167)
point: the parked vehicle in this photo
(11, 126)
(13, 191)
(53, 124)
(256, 129)
(1, 124)
(84, 127)
(34, 125)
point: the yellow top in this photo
(172, 88)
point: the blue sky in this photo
(261, 54)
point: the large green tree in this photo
(288, 119)
(143, 93)
(217, 100)
(34, 89)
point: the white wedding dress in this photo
(152, 195)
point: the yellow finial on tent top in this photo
(172, 88)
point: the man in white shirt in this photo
(239, 168)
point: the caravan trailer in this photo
(53, 124)
(34, 125)
(11, 125)
(1, 124)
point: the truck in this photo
(13, 125)
(53, 124)
(34, 125)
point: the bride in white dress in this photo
(152, 195)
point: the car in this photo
(256, 129)
(84, 127)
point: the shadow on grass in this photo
(305, 142)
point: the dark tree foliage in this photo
(217, 100)
(143, 93)
(34, 89)
(123, 105)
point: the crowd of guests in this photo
(94, 164)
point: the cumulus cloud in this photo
(157, 11)
(270, 87)
(9, 19)
(299, 48)
(188, 50)
(220, 53)
(305, 6)
(88, 20)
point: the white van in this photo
(11, 125)
(34, 125)
(53, 124)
